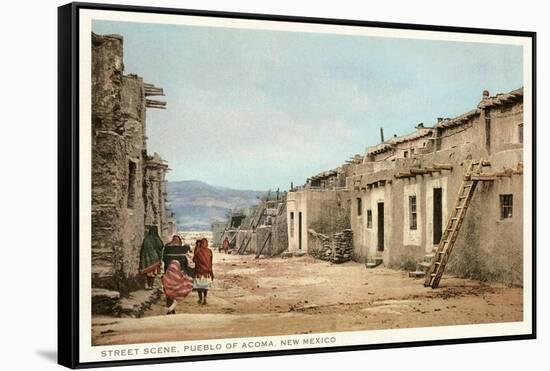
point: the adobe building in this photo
(128, 185)
(320, 207)
(260, 230)
(403, 191)
(406, 189)
(264, 230)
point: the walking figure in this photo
(150, 256)
(225, 244)
(202, 282)
(177, 281)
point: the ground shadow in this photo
(50, 355)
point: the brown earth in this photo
(279, 296)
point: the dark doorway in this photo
(438, 215)
(300, 230)
(380, 226)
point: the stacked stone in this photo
(343, 246)
(138, 302)
(320, 246)
(337, 248)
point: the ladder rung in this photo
(459, 207)
(467, 186)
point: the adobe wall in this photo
(279, 238)
(217, 232)
(505, 127)
(251, 240)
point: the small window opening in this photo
(506, 206)
(131, 184)
(412, 213)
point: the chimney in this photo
(439, 119)
(381, 135)
(485, 94)
(420, 125)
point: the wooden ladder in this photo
(263, 246)
(454, 223)
(243, 247)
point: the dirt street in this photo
(279, 296)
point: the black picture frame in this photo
(68, 180)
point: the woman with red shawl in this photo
(202, 257)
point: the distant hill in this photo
(198, 204)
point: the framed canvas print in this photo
(241, 185)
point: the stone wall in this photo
(109, 157)
(155, 195)
(336, 248)
(128, 187)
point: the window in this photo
(359, 206)
(506, 206)
(406, 154)
(520, 133)
(292, 224)
(131, 184)
(412, 152)
(369, 218)
(412, 212)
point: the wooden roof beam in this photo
(443, 166)
(419, 171)
(483, 178)
(404, 175)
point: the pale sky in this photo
(253, 109)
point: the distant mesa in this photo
(198, 204)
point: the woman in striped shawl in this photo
(177, 281)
